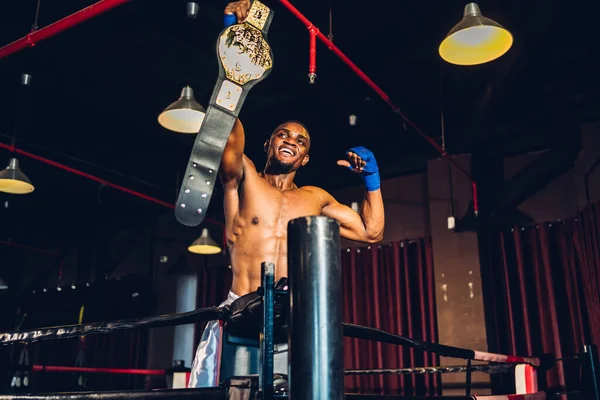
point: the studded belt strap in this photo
(245, 58)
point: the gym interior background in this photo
(526, 126)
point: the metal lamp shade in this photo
(185, 115)
(204, 244)
(3, 284)
(13, 180)
(475, 40)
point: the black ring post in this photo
(268, 285)
(315, 337)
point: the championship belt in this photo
(245, 58)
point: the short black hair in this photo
(292, 121)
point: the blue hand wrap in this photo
(370, 174)
(229, 19)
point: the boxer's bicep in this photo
(232, 170)
(352, 226)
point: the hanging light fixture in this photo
(185, 115)
(3, 284)
(13, 180)
(204, 244)
(475, 40)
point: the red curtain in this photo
(545, 291)
(586, 238)
(390, 287)
(213, 286)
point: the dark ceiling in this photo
(98, 89)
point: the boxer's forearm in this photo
(373, 215)
(231, 164)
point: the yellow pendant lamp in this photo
(204, 244)
(184, 115)
(13, 180)
(475, 40)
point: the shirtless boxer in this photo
(259, 205)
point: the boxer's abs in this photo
(259, 233)
(248, 254)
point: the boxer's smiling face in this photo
(287, 149)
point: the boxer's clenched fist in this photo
(362, 161)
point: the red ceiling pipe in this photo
(312, 63)
(475, 201)
(30, 248)
(95, 178)
(309, 25)
(34, 37)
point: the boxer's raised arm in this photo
(231, 171)
(367, 225)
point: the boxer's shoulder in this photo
(315, 190)
(318, 194)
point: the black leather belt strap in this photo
(245, 58)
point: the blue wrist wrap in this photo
(229, 19)
(370, 174)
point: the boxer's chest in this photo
(268, 206)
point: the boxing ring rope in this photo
(367, 333)
(210, 394)
(195, 394)
(488, 369)
(209, 313)
(120, 371)
(73, 331)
